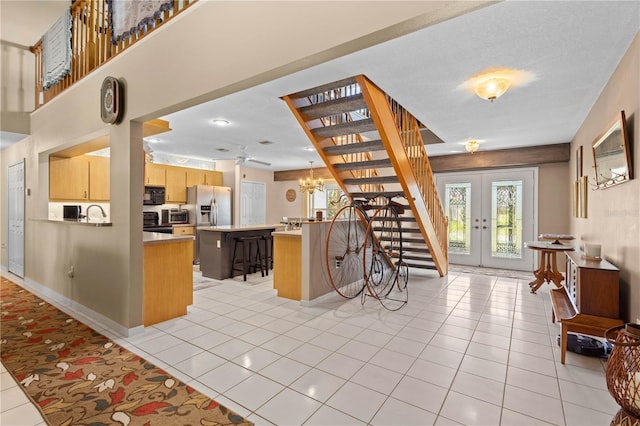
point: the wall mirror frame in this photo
(611, 155)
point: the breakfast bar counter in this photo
(216, 246)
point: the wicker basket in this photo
(623, 368)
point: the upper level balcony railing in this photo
(91, 44)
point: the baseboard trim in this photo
(88, 316)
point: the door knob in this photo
(476, 227)
(484, 227)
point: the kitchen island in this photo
(216, 246)
(168, 276)
(299, 266)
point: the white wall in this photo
(614, 213)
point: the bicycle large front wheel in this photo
(344, 251)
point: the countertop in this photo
(293, 233)
(76, 222)
(159, 238)
(234, 228)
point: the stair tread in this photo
(375, 145)
(421, 266)
(343, 129)
(412, 257)
(334, 107)
(360, 165)
(325, 87)
(371, 179)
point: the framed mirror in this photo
(611, 156)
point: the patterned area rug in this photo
(76, 376)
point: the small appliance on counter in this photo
(72, 212)
(177, 216)
(150, 223)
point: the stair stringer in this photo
(430, 228)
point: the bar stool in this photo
(268, 252)
(246, 244)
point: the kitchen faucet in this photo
(98, 206)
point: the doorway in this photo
(15, 204)
(491, 214)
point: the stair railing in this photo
(409, 129)
(91, 43)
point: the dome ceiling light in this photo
(220, 122)
(472, 146)
(493, 83)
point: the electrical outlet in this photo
(218, 243)
(638, 321)
(338, 264)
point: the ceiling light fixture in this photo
(311, 185)
(152, 140)
(220, 122)
(493, 83)
(491, 88)
(472, 146)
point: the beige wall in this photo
(212, 49)
(614, 213)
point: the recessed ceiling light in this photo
(222, 149)
(220, 122)
(265, 143)
(309, 148)
(152, 140)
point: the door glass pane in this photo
(506, 219)
(458, 209)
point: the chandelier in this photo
(309, 184)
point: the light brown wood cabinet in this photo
(176, 185)
(81, 178)
(203, 177)
(213, 178)
(68, 178)
(99, 174)
(154, 174)
(183, 230)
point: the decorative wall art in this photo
(580, 188)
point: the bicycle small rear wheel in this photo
(344, 250)
(381, 265)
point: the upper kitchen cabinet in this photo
(203, 177)
(68, 178)
(81, 178)
(154, 174)
(176, 185)
(213, 178)
(99, 173)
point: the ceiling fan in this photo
(244, 157)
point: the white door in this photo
(16, 219)
(253, 203)
(491, 214)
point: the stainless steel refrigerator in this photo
(208, 206)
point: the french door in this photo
(491, 214)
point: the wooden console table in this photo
(548, 268)
(589, 303)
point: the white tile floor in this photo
(467, 349)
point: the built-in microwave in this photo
(154, 195)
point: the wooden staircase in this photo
(372, 146)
